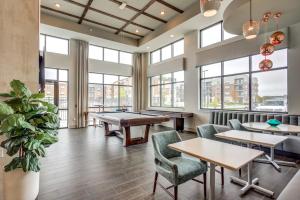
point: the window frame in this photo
(172, 51)
(103, 89)
(222, 76)
(119, 51)
(45, 43)
(222, 34)
(172, 83)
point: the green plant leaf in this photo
(29, 123)
(38, 96)
(20, 89)
(14, 164)
(32, 144)
(5, 110)
(11, 122)
(12, 145)
(5, 95)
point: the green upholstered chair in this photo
(208, 131)
(172, 165)
(235, 124)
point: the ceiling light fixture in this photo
(209, 8)
(57, 5)
(137, 30)
(162, 12)
(123, 5)
(148, 47)
(172, 36)
(251, 27)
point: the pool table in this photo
(125, 120)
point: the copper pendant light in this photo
(277, 37)
(251, 27)
(265, 65)
(267, 49)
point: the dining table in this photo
(283, 129)
(261, 139)
(229, 156)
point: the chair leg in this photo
(155, 182)
(222, 176)
(240, 172)
(175, 192)
(204, 185)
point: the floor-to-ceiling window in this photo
(239, 84)
(56, 92)
(167, 90)
(109, 92)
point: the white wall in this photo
(294, 70)
(60, 61)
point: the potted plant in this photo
(28, 125)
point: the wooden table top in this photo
(230, 156)
(282, 128)
(267, 140)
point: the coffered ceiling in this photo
(136, 20)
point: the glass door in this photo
(56, 92)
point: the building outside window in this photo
(167, 90)
(167, 52)
(239, 84)
(109, 92)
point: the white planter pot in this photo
(19, 185)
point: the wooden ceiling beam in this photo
(108, 14)
(91, 21)
(170, 6)
(86, 8)
(138, 10)
(136, 15)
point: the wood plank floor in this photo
(86, 165)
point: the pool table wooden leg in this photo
(127, 138)
(106, 128)
(146, 135)
(94, 122)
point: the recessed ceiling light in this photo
(148, 47)
(57, 5)
(162, 12)
(137, 30)
(123, 5)
(172, 36)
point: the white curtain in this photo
(140, 64)
(82, 48)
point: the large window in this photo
(54, 44)
(56, 92)
(110, 55)
(169, 51)
(214, 34)
(167, 90)
(239, 84)
(109, 92)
